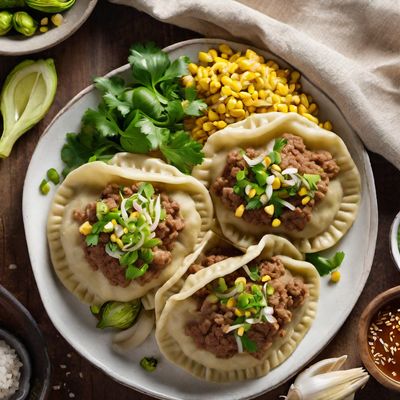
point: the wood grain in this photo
(98, 47)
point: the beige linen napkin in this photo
(348, 48)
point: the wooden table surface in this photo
(99, 46)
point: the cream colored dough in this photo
(176, 282)
(85, 185)
(181, 308)
(331, 218)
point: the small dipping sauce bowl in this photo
(379, 338)
(394, 241)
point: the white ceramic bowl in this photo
(394, 244)
(73, 19)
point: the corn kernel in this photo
(126, 230)
(226, 91)
(283, 108)
(311, 118)
(270, 209)
(304, 100)
(265, 278)
(251, 89)
(220, 124)
(302, 192)
(239, 104)
(276, 184)
(238, 313)
(276, 222)
(113, 237)
(192, 67)
(335, 276)
(305, 200)
(313, 108)
(252, 193)
(231, 302)
(237, 113)
(214, 86)
(188, 81)
(283, 90)
(134, 214)
(57, 19)
(43, 29)
(295, 76)
(328, 125)
(205, 57)
(224, 48)
(213, 53)
(204, 83)
(221, 109)
(296, 99)
(267, 161)
(293, 108)
(212, 115)
(275, 99)
(114, 222)
(245, 65)
(302, 109)
(236, 86)
(208, 126)
(231, 104)
(276, 167)
(119, 243)
(239, 211)
(247, 314)
(85, 228)
(44, 21)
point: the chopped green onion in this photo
(53, 176)
(149, 364)
(44, 187)
(120, 315)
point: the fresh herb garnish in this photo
(248, 344)
(140, 117)
(325, 265)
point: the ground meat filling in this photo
(294, 154)
(208, 330)
(167, 231)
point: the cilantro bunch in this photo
(143, 116)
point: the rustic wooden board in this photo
(98, 47)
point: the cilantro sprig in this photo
(140, 117)
(325, 265)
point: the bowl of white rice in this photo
(15, 368)
(24, 361)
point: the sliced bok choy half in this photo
(27, 94)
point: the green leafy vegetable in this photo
(325, 265)
(140, 118)
(248, 344)
(312, 180)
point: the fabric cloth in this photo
(348, 48)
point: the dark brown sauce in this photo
(384, 340)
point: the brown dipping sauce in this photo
(384, 339)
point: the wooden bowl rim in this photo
(364, 323)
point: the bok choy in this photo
(27, 94)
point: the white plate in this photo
(75, 323)
(16, 44)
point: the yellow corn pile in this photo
(235, 85)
